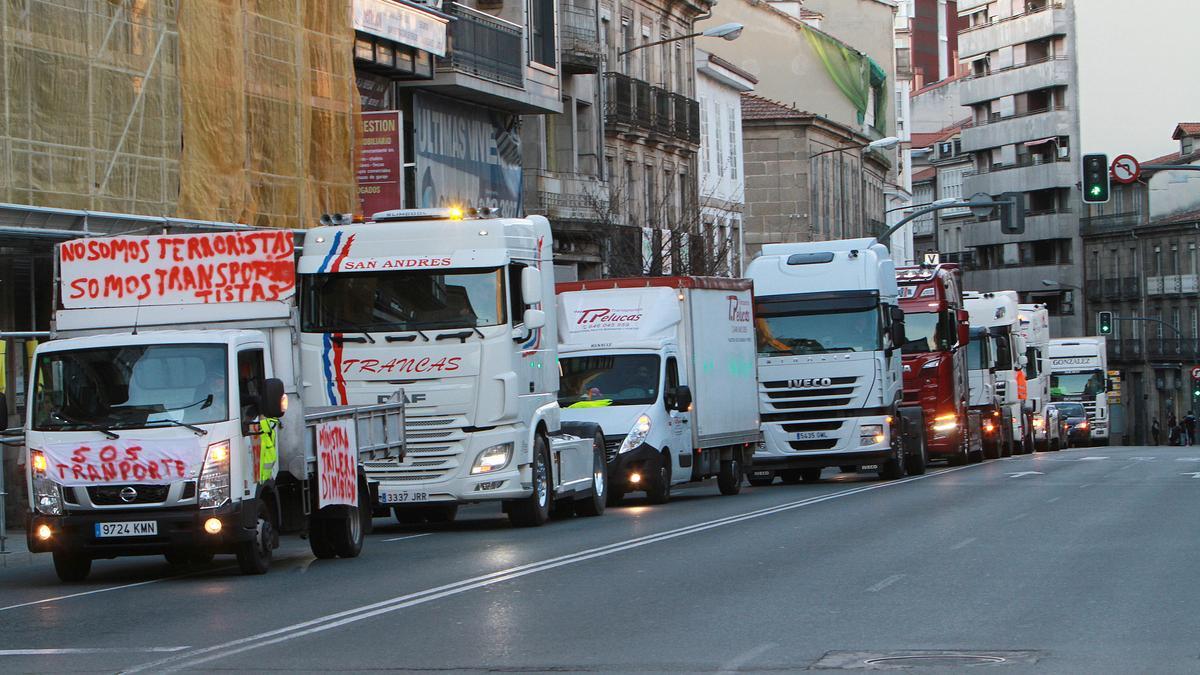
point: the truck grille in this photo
(110, 495)
(1001, 390)
(434, 451)
(782, 398)
(611, 445)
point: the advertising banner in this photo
(337, 473)
(177, 269)
(466, 155)
(401, 23)
(381, 162)
(623, 314)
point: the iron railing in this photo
(485, 46)
(631, 102)
(1110, 222)
(579, 38)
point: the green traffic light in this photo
(1097, 190)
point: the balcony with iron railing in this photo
(1031, 75)
(581, 52)
(1171, 349)
(1036, 22)
(996, 130)
(1110, 223)
(634, 106)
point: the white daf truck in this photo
(157, 421)
(450, 306)
(1079, 373)
(997, 313)
(1033, 325)
(665, 366)
(829, 330)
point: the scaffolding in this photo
(225, 110)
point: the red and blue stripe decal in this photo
(331, 353)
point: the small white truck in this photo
(165, 415)
(1079, 373)
(829, 330)
(665, 366)
(450, 305)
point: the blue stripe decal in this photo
(325, 361)
(337, 240)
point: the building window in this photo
(1096, 272)
(1175, 259)
(720, 149)
(705, 137)
(651, 197)
(1195, 324)
(733, 144)
(541, 24)
(1192, 258)
(1158, 268)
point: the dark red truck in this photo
(936, 330)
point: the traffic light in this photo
(1195, 386)
(1012, 213)
(1095, 179)
(1104, 322)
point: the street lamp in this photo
(944, 201)
(878, 144)
(726, 31)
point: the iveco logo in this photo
(128, 494)
(810, 382)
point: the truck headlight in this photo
(932, 363)
(47, 495)
(214, 476)
(637, 435)
(492, 458)
(871, 434)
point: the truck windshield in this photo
(402, 300)
(819, 333)
(921, 332)
(1077, 384)
(130, 386)
(598, 381)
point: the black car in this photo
(1075, 418)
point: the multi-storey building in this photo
(1141, 263)
(1040, 87)
(939, 166)
(719, 86)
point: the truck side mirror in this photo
(531, 285)
(898, 337)
(534, 319)
(272, 402)
(683, 398)
(964, 327)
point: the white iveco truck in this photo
(829, 331)
(665, 365)
(157, 421)
(452, 308)
(996, 312)
(1079, 373)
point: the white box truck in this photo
(450, 305)
(665, 366)
(1033, 326)
(829, 329)
(156, 420)
(996, 312)
(1079, 373)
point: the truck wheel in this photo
(790, 476)
(1009, 443)
(729, 480)
(893, 467)
(318, 538)
(254, 556)
(761, 481)
(71, 567)
(916, 458)
(659, 490)
(810, 475)
(441, 513)
(593, 505)
(991, 449)
(534, 510)
(346, 531)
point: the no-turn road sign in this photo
(1125, 169)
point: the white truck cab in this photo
(452, 307)
(997, 313)
(665, 366)
(1033, 326)
(1079, 373)
(829, 330)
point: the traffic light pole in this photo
(883, 238)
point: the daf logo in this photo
(810, 382)
(908, 369)
(128, 494)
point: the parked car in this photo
(1076, 422)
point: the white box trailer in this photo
(666, 367)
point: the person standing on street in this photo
(1172, 429)
(1155, 431)
(1189, 428)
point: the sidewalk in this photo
(16, 553)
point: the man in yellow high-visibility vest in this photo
(268, 453)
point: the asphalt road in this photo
(1080, 561)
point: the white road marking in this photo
(1025, 473)
(963, 544)
(1019, 516)
(1052, 500)
(331, 621)
(735, 664)
(410, 536)
(1194, 474)
(1187, 459)
(115, 588)
(885, 583)
(1089, 458)
(88, 650)
(1142, 459)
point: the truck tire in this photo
(71, 567)
(593, 504)
(534, 510)
(254, 556)
(791, 476)
(1009, 444)
(916, 458)
(810, 475)
(345, 531)
(318, 539)
(761, 481)
(991, 448)
(729, 480)
(659, 489)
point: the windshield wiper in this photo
(358, 328)
(176, 423)
(462, 335)
(107, 432)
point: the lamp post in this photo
(726, 31)
(878, 144)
